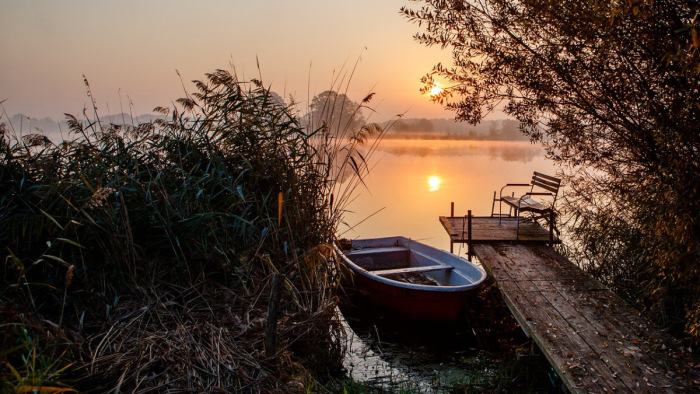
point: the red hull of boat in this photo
(368, 266)
(414, 304)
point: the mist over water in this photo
(401, 197)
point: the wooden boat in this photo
(410, 278)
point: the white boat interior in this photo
(398, 258)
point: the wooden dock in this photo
(492, 230)
(475, 230)
(594, 340)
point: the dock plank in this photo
(617, 349)
(487, 229)
(595, 341)
(570, 355)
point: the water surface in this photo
(411, 184)
(404, 198)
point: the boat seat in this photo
(380, 258)
(426, 268)
(381, 250)
(428, 257)
(464, 275)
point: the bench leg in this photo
(552, 218)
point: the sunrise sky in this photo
(131, 49)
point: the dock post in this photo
(452, 214)
(469, 235)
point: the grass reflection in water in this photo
(489, 353)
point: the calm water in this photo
(409, 203)
(411, 184)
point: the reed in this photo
(144, 254)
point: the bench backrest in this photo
(546, 182)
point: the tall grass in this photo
(140, 257)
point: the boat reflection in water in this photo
(394, 353)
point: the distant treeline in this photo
(499, 130)
(496, 130)
(20, 123)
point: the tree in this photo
(613, 90)
(424, 125)
(336, 112)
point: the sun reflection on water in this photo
(434, 183)
(398, 199)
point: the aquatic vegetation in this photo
(153, 253)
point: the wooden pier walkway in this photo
(594, 340)
(492, 230)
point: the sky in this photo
(132, 50)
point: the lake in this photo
(411, 184)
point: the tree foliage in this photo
(335, 112)
(613, 90)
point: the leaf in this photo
(70, 241)
(15, 260)
(12, 349)
(52, 219)
(44, 389)
(280, 200)
(56, 258)
(14, 371)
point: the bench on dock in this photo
(541, 185)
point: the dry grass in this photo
(202, 337)
(140, 257)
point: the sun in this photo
(436, 90)
(434, 183)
